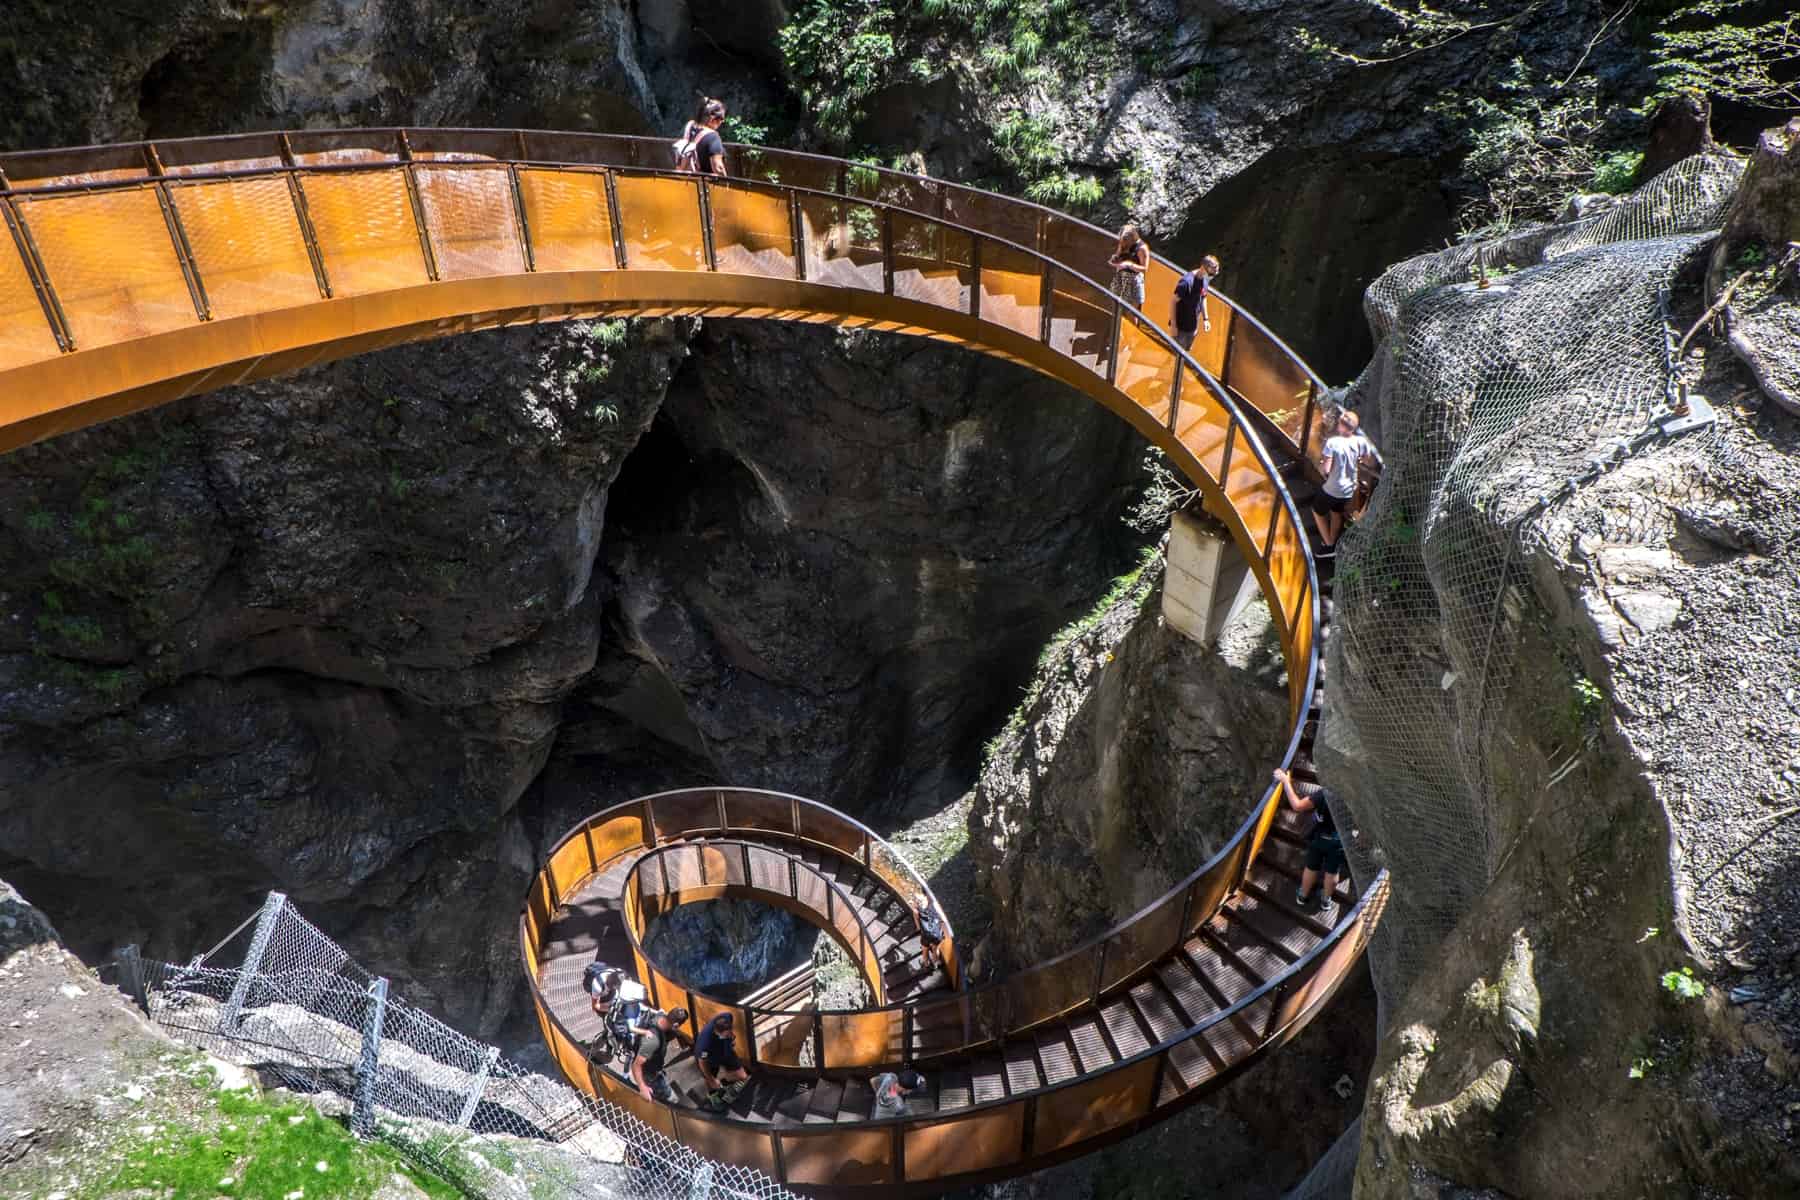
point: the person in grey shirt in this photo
(891, 1089)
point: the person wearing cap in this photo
(652, 1049)
(892, 1088)
(716, 1052)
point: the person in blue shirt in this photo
(716, 1052)
(1189, 316)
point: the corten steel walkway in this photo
(137, 274)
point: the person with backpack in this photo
(701, 148)
(1130, 259)
(1189, 315)
(601, 982)
(891, 1090)
(1324, 847)
(931, 934)
(1344, 454)
(652, 1049)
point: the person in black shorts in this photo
(716, 1052)
(1325, 848)
(652, 1049)
(931, 935)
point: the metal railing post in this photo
(131, 974)
(887, 251)
(797, 233)
(1175, 396)
(184, 251)
(1112, 342)
(1046, 296)
(1306, 420)
(368, 1063)
(416, 201)
(521, 221)
(35, 269)
(303, 215)
(259, 945)
(473, 1100)
(611, 186)
(975, 277)
(706, 224)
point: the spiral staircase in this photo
(133, 275)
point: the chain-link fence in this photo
(280, 996)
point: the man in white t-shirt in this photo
(1343, 454)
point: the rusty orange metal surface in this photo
(131, 276)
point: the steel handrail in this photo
(359, 137)
(1351, 923)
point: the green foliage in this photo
(1682, 985)
(1027, 144)
(259, 1150)
(1587, 702)
(838, 53)
(736, 129)
(1757, 65)
(1196, 83)
(1616, 173)
(1066, 191)
(609, 335)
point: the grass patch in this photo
(258, 1149)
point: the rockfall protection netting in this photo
(1492, 406)
(281, 997)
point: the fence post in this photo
(259, 945)
(131, 974)
(362, 1117)
(473, 1099)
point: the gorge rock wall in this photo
(1562, 713)
(325, 634)
(1135, 756)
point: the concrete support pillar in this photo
(1208, 580)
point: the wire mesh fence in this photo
(1512, 373)
(281, 997)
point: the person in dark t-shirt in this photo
(1325, 848)
(701, 148)
(652, 1049)
(1189, 316)
(716, 1052)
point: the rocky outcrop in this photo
(1759, 253)
(1135, 756)
(374, 635)
(1560, 716)
(728, 947)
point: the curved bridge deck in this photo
(134, 275)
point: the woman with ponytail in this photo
(700, 148)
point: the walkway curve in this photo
(141, 274)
